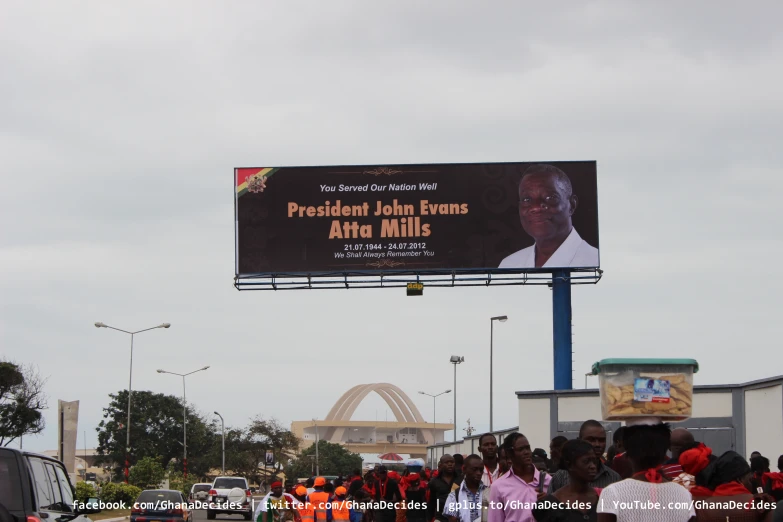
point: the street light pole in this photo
(433, 409)
(455, 360)
(502, 319)
(130, 382)
(223, 432)
(184, 431)
(317, 466)
(184, 417)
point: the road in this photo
(200, 515)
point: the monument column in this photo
(68, 427)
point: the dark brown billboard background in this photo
(269, 241)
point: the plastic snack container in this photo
(654, 388)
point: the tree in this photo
(22, 398)
(147, 473)
(246, 449)
(156, 431)
(333, 459)
(177, 480)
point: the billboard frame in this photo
(401, 278)
(323, 280)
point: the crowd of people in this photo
(648, 473)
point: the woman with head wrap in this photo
(729, 477)
(416, 498)
(693, 460)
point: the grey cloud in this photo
(120, 126)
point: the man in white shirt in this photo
(488, 447)
(546, 204)
(466, 504)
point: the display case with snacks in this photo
(632, 389)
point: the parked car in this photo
(35, 487)
(230, 495)
(199, 492)
(160, 505)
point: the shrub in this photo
(147, 473)
(84, 492)
(125, 493)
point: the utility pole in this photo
(317, 440)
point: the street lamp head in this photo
(501, 318)
(447, 391)
(205, 368)
(165, 325)
(100, 325)
(456, 359)
(422, 393)
(161, 371)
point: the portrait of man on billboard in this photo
(546, 206)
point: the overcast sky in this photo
(120, 126)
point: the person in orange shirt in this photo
(339, 509)
(319, 499)
(305, 509)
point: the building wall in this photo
(764, 421)
(746, 416)
(534, 415)
(463, 447)
(712, 404)
(578, 409)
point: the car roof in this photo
(163, 491)
(38, 455)
(31, 454)
(243, 478)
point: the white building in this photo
(744, 417)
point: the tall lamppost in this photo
(184, 417)
(455, 360)
(317, 440)
(223, 435)
(502, 319)
(433, 408)
(130, 380)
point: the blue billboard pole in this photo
(561, 322)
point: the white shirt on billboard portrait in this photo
(574, 252)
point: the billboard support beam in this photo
(561, 322)
(399, 279)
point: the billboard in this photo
(432, 218)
